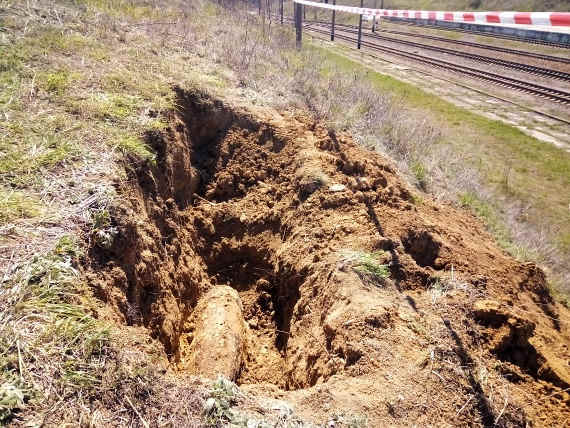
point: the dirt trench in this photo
(231, 251)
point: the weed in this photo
(217, 408)
(135, 146)
(15, 205)
(417, 199)
(12, 397)
(67, 246)
(367, 265)
(444, 285)
(102, 230)
(57, 82)
(420, 172)
(49, 342)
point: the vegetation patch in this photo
(367, 265)
(50, 341)
(57, 82)
(15, 205)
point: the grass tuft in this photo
(135, 146)
(50, 343)
(16, 205)
(217, 409)
(57, 82)
(367, 265)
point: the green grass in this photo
(47, 332)
(367, 264)
(57, 82)
(29, 147)
(135, 146)
(17, 205)
(489, 214)
(123, 8)
(105, 107)
(47, 40)
(88, 100)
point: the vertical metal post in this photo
(315, 13)
(281, 10)
(298, 24)
(259, 7)
(374, 16)
(360, 26)
(332, 23)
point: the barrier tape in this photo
(520, 18)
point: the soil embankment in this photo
(232, 251)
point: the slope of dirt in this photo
(268, 204)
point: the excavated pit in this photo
(229, 250)
(198, 239)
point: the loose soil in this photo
(231, 250)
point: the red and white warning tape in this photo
(521, 18)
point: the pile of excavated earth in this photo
(267, 248)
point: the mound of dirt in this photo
(255, 248)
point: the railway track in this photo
(526, 68)
(463, 43)
(484, 33)
(555, 95)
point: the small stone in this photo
(363, 183)
(337, 188)
(252, 423)
(209, 405)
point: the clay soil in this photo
(236, 250)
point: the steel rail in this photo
(464, 43)
(520, 85)
(526, 68)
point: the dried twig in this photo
(145, 423)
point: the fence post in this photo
(360, 26)
(332, 24)
(281, 10)
(259, 7)
(374, 16)
(298, 24)
(315, 9)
